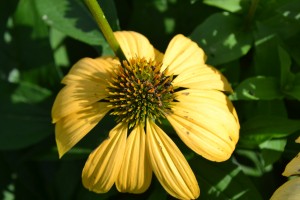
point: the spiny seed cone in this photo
(139, 90)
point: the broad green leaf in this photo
(272, 150)
(286, 77)
(259, 129)
(266, 61)
(223, 38)
(73, 18)
(30, 93)
(290, 10)
(160, 20)
(229, 5)
(224, 180)
(30, 38)
(258, 88)
(59, 49)
(250, 109)
(23, 125)
(251, 162)
(294, 89)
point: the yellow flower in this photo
(291, 189)
(149, 86)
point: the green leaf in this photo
(23, 125)
(30, 93)
(266, 52)
(222, 37)
(272, 150)
(290, 10)
(285, 65)
(294, 88)
(260, 129)
(29, 38)
(251, 162)
(229, 5)
(223, 181)
(258, 88)
(73, 18)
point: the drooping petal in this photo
(136, 173)
(72, 128)
(288, 191)
(181, 54)
(75, 97)
(97, 70)
(104, 163)
(169, 165)
(134, 45)
(202, 77)
(293, 167)
(206, 122)
(85, 84)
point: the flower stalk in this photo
(105, 28)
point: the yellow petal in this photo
(298, 140)
(75, 97)
(202, 77)
(169, 165)
(72, 128)
(206, 122)
(96, 70)
(85, 84)
(181, 54)
(288, 191)
(293, 167)
(104, 163)
(134, 45)
(136, 173)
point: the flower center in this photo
(139, 90)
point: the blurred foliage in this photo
(256, 44)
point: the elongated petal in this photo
(293, 167)
(72, 128)
(96, 70)
(181, 54)
(169, 165)
(135, 44)
(298, 140)
(288, 191)
(136, 173)
(206, 122)
(76, 97)
(85, 84)
(202, 77)
(104, 163)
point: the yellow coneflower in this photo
(140, 91)
(291, 189)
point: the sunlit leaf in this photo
(230, 5)
(259, 129)
(224, 180)
(223, 37)
(73, 18)
(30, 93)
(272, 150)
(258, 88)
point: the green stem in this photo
(251, 11)
(105, 28)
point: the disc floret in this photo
(139, 90)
